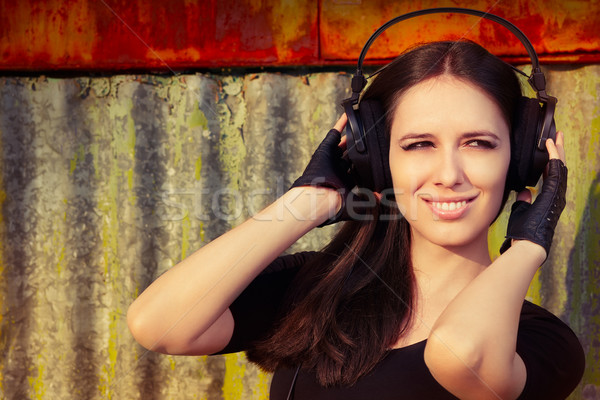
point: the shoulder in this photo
(258, 307)
(552, 354)
(537, 322)
(290, 262)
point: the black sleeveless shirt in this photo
(550, 350)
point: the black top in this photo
(550, 350)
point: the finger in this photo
(556, 150)
(341, 123)
(343, 142)
(560, 145)
(339, 126)
(552, 150)
(524, 195)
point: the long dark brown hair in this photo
(352, 302)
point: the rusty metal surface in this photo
(156, 35)
(107, 182)
(560, 31)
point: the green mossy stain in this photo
(57, 243)
(36, 383)
(202, 232)
(594, 143)
(316, 115)
(261, 390)
(112, 202)
(198, 169)
(130, 182)
(185, 235)
(235, 369)
(113, 355)
(2, 277)
(172, 363)
(77, 157)
(181, 123)
(232, 149)
(197, 118)
(585, 290)
(534, 294)
(497, 232)
(585, 257)
(94, 151)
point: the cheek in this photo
(408, 177)
(406, 173)
(490, 172)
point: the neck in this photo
(438, 268)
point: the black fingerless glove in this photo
(327, 168)
(536, 222)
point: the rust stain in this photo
(561, 31)
(181, 34)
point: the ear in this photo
(525, 131)
(370, 157)
(378, 144)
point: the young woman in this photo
(405, 302)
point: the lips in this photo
(450, 209)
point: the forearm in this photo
(185, 301)
(478, 329)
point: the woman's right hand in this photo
(536, 222)
(328, 169)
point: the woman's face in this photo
(449, 156)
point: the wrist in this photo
(530, 250)
(318, 203)
(308, 205)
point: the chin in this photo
(452, 237)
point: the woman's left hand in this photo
(536, 222)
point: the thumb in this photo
(524, 195)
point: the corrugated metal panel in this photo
(107, 182)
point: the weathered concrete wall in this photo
(107, 182)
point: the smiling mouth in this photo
(450, 210)
(448, 206)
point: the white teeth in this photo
(449, 206)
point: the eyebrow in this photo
(467, 135)
(470, 135)
(416, 136)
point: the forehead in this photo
(446, 104)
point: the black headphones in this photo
(368, 144)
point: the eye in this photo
(481, 144)
(417, 145)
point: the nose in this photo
(450, 171)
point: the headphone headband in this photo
(368, 144)
(536, 80)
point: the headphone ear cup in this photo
(378, 145)
(525, 133)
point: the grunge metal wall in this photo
(117, 35)
(107, 182)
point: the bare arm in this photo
(471, 350)
(185, 311)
